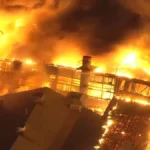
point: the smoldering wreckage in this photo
(51, 97)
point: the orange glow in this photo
(110, 123)
(127, 61)
(138, 101)
(46, 84)
(100, 94)
(20, 23)
(123, 133)
(99, 70)
(29, 62)
(122, 74)
(96, 147)
(23, 88)
(101, 141)
(106, 128)
(128, 100)
(13, 29)
(142, 102)
(115, 107)
(132, 62)
(130, 59)
(68, 55)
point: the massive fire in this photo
(12, 30)
(29, 62)
(71, 55)
(127, 61)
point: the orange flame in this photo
(130, 59)
(99, 70)
(29, 62)
(68, 55)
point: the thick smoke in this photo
(16, 5)
(138, 6)
(95, 26)
(143, 9)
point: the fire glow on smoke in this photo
(53, 31)
(126, 60)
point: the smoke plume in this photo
(94, 26)
(16, 5)
(138, 6)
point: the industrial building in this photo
(100, 87)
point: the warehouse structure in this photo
(100, 87)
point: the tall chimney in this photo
(85, 74)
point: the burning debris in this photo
(125, 126)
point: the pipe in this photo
(85, 74)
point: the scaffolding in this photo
(132, 88)
(101, 86)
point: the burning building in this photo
(99, 86)
(69, 28)
(123, 103)
(61, 79)
(126, 119)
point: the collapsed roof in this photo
(125, 126)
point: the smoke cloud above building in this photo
(94, 27)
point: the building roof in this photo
(14, 111)
(50, 121)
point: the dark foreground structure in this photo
(43, 119)
(125, 126)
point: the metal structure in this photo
(95, 85)
(100, 87)
(64, 79)
(132, 88)
(85, 74)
